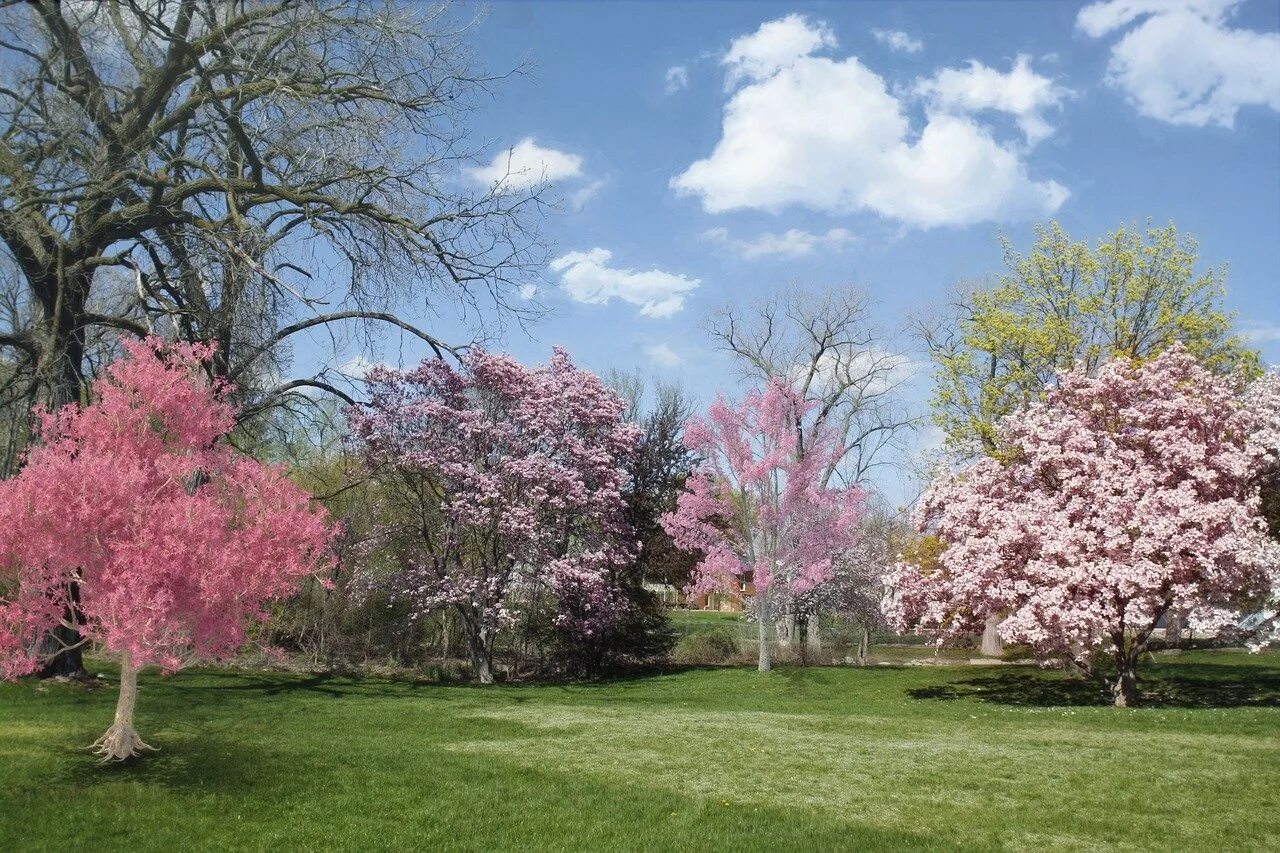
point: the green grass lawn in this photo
(728, 759)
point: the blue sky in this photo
(711, 152)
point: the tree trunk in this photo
(762, 622)
(992, 645)
(1124, 690)
(785, 629)
(863, 647)
(121, 742)
(812, 634)
(60, 372)
(480, 645)
(1173, 629)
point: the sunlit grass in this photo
(873, 758)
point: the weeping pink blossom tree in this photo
(757, 510)
(506, 477)
(1122, 496)
(134, 522)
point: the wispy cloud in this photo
(898, 41)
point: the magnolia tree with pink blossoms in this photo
(134, 524)
(1121, 497)
(504, 477)
(757, 509)
(1262, 402)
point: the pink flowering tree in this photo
(506, 477)
(1262, 402)
(1119, 498)
(757, 510)
(134, 524)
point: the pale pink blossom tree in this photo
(1262, 402)
(506, 477)
(757, 510)
(132, 519)
(1120, 497)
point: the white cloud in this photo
(359, 367)
(579, 197)
(875, 371)
(1261, 334)
(527, 165)
(792, 243)
(527, 291)
(663, 355)
(775, 46)
(1021, 93)
(677, 78)
(587, 277)
(827, 134)
(898, 41)
(1182, 64)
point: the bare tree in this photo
(257, 168)
(250, 170)
(825, 344)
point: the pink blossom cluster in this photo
(757, 509)
(1118, 498)
(164, 536)
(526, 472)
(1262, 402)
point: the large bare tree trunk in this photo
(992, 645)
(121, 742)
(60, 374)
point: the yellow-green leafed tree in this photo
(1133, 293)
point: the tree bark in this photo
(1124, 690)
(1173, 629)
(480, 645)
(762, 622)
(992, 645)
(812, 634)
(121, 742)
(60, 373)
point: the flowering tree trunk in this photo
(762, 623)
(121, 742)
(992, 645)
(812, 635)
(479, 644)
(1124, 688)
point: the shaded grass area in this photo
(875, 758)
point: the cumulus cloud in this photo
(1021, 93)
(527, 164)
(800, 129)
(587, 277)
(1182, 63)
(898, 41)
(793, 243)
(663, 355)
(677, 78)
(777, 45)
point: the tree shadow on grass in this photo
(205, 762)
(1186, 686)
